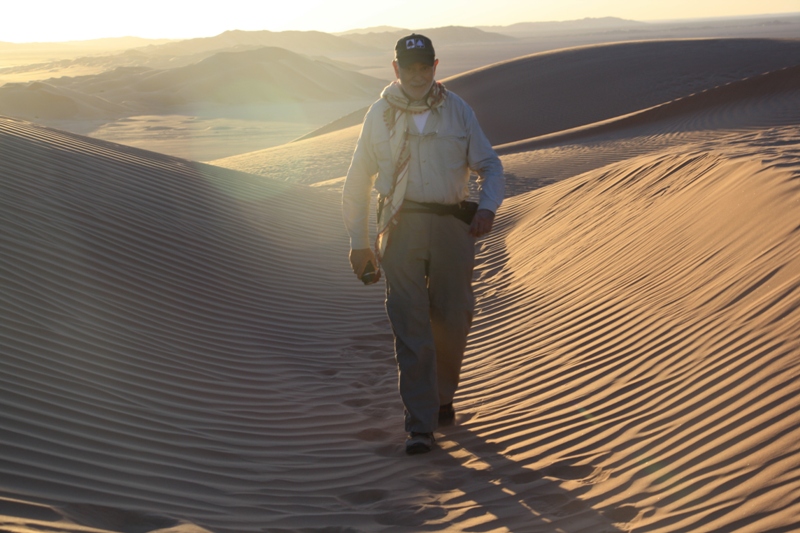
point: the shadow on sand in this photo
(473, 486)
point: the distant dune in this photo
(442, 37)
(224, 108)
(371, 29)
(185, 349)
(239, 78)
(40, 64)
(18, 54)
(366, 48)
(40, 100)
(766, 99)
(628, 77)
(544, 93)
(587, 24)
(266, 74)
(548, 95)
(95, 45)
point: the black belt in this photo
(464, 211)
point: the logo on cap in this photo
(414, 43)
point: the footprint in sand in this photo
(564, 506)
(528, 476)
(572, 508)
(414, 516)
(443, 481)
(586, 474)
(553, 502)
(357, 402)
(623, 514)
(373, 435)
(365, 497)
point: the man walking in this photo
(421, 141)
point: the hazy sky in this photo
(63, 20)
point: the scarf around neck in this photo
(396, 118)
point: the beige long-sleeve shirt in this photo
(442, 155)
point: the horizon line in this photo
(365, 29)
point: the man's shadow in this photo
(484, 490)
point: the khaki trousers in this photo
(428, 265)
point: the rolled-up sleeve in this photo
(483, 160)
(357, 187)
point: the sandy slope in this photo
(184, 348)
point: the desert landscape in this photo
(185, 348)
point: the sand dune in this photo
(443, 37)
(545, 92)
(39, 60)
(760, 101)
(40, 100)
(23, 63)
(233, 78)
(771, 100)
(653, 335)
(184, 349)
(21, 54)
(461, 48)
(229, 103)
(586, 25)
(313, 43)
(120, 297)
(544, 95)
(266, 74)
(626, 77)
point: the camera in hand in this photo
(369, 276)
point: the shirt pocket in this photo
(379, 139)
(383, 152)
(450, 149)
(383, 156)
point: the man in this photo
(422, 141)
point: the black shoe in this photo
(447, 415)
(419, 443)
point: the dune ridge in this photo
(764, 100)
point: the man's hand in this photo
(481, 223)
(359, 259)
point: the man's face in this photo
(416, 79)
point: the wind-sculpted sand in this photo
(185, 349)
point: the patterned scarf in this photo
(396, 118)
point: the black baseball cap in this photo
(414, 48)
